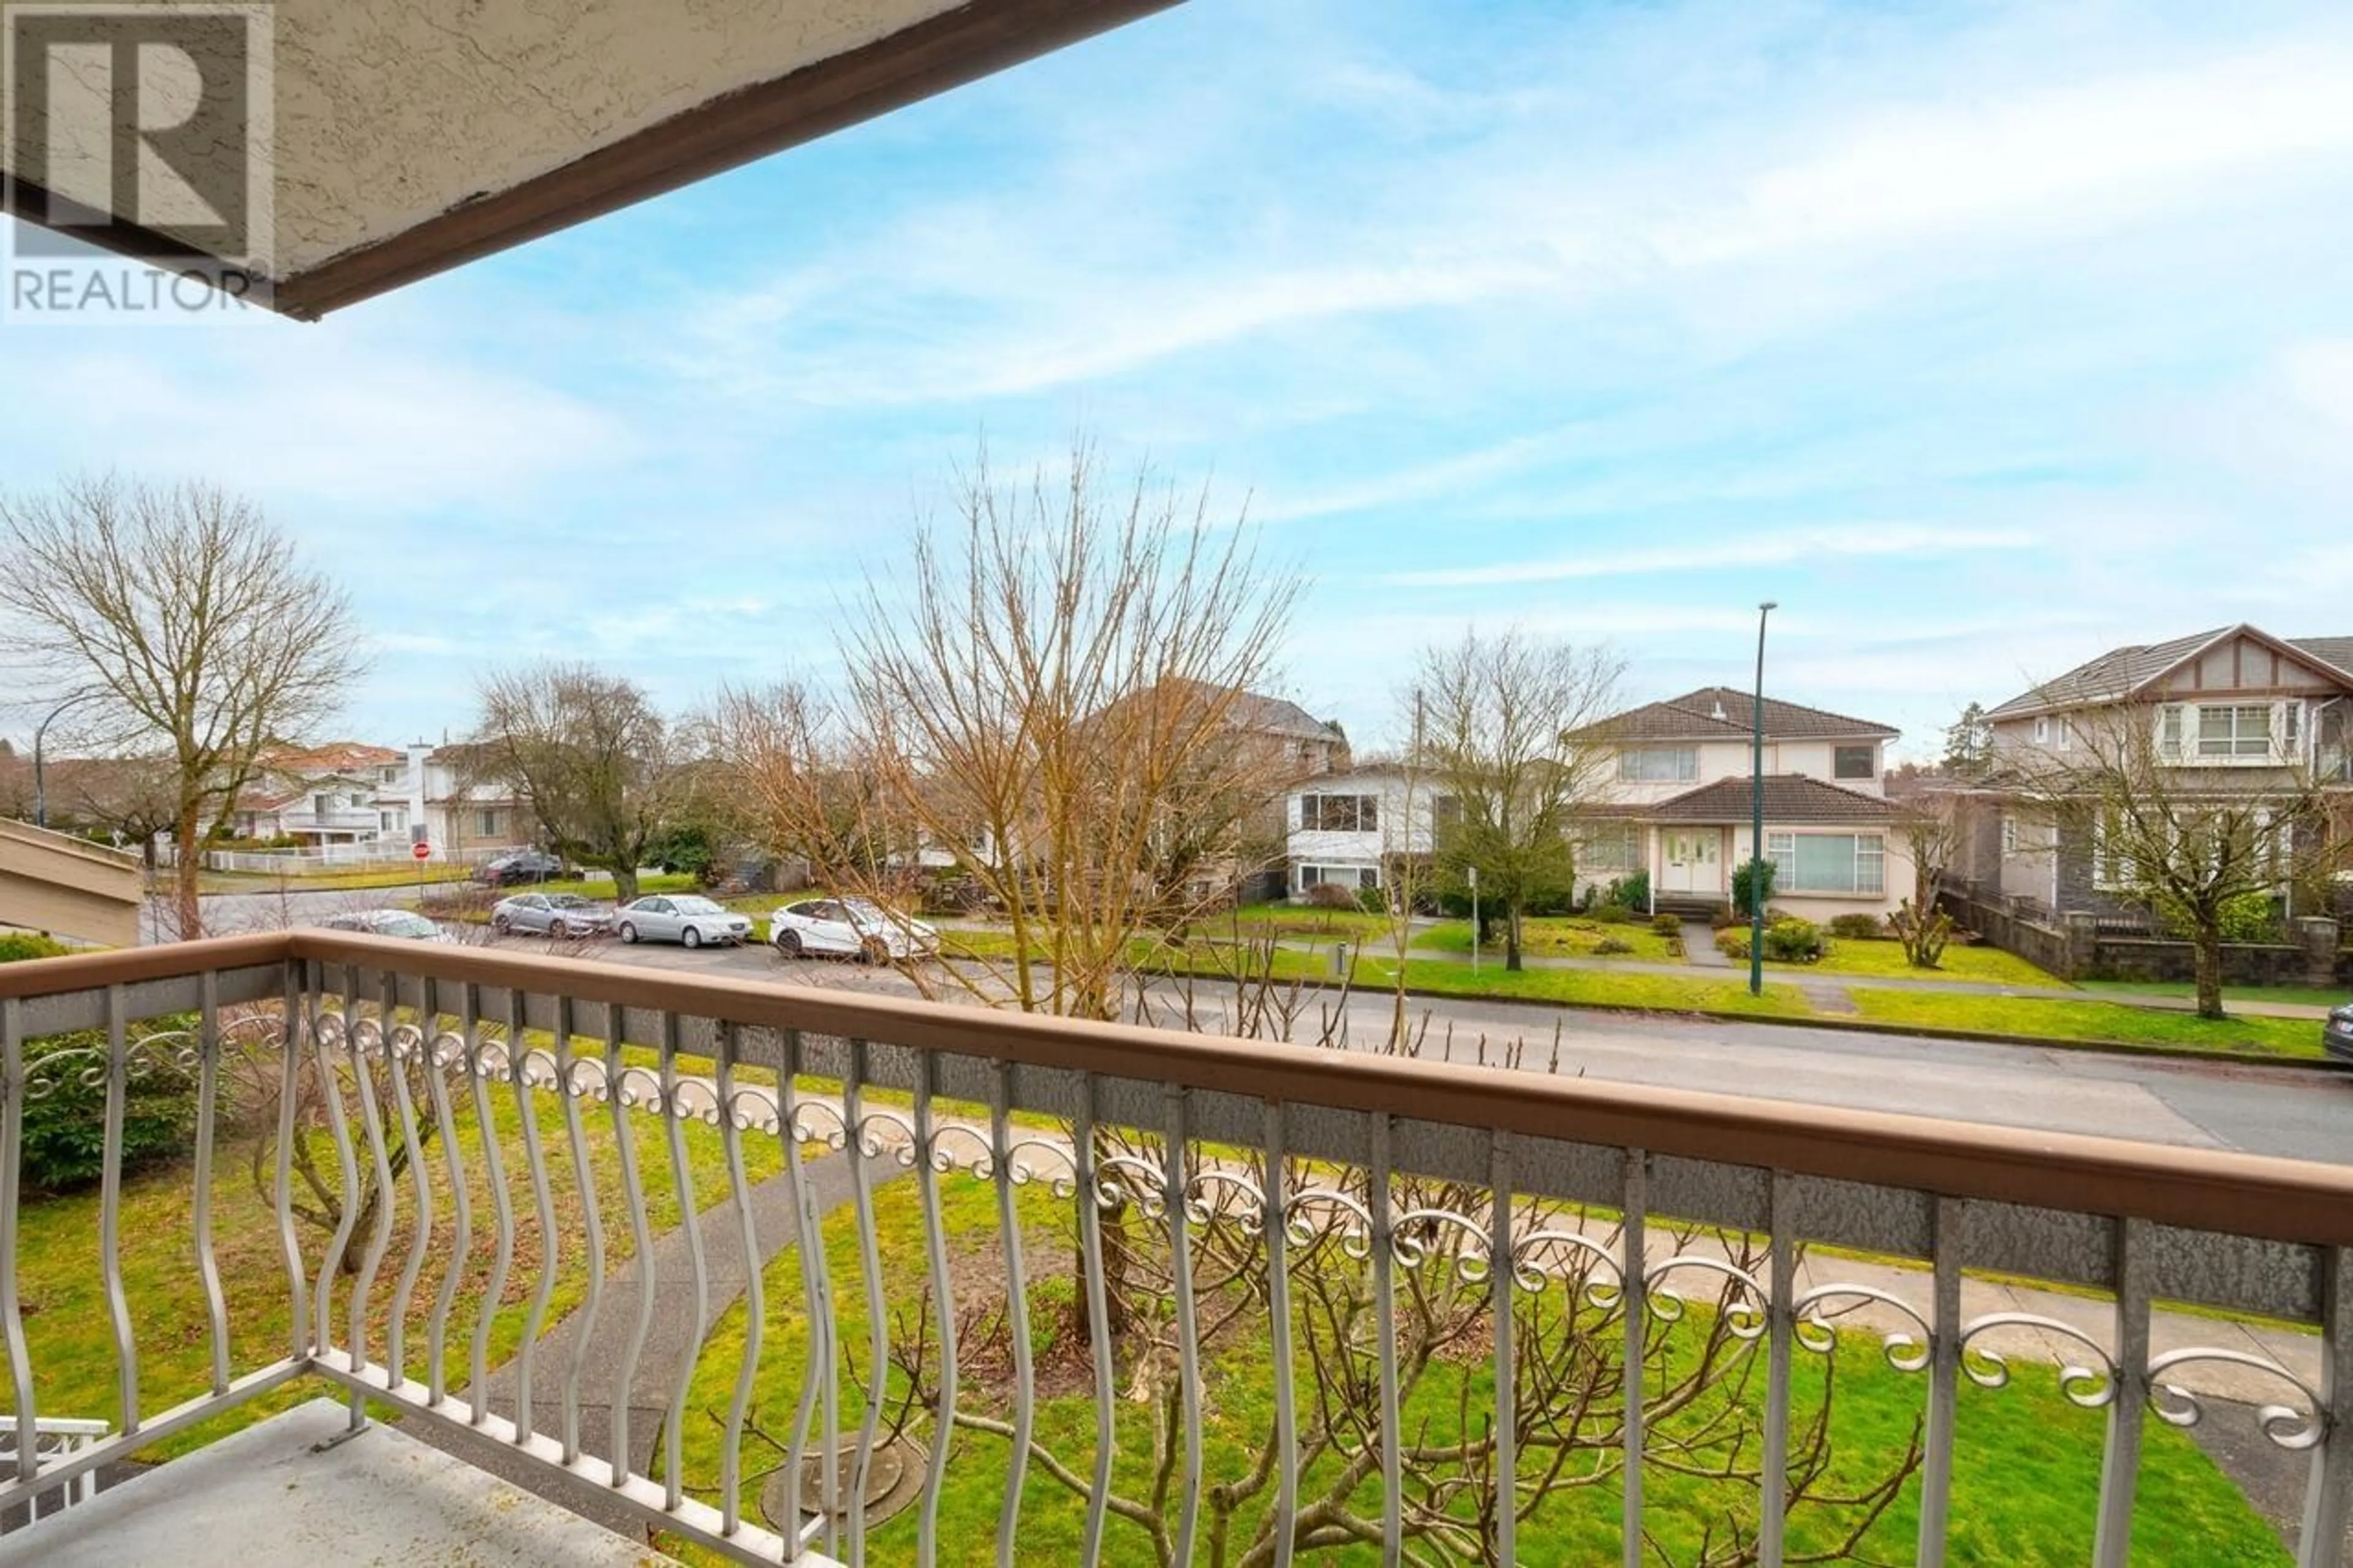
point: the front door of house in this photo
(1694, 861)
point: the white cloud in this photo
(1862, 541)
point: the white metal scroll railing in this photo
(761, 1266)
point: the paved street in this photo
(2299, 1113)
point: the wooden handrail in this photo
(2203, 1189)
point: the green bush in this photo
(1756, 873)
(1733, 943)
(1633, 891)
(1858, 928)
(1331, 896)
(1612, 947)
(15, 946)
(2250, 916)
(1373, 901)
(1667, 925)
(1789, 940)
(1611, 914)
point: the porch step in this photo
(1694, 906)
(268, 1497)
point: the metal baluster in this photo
(1188, 1347)
(1385, 1327)
(2120, 1457)
(110, 1214)
(870, 1267)
(330, 1094)
(1773, 1512)
(420, 1180)
(817, 1298)
(11, 1309)
(681, 1175)
(592, 1229)
(494, 1290)
(208, 1049)
(1634, 1302)
(1944, 1384)
(755, 1313)
(625, 1141)
(461, 1207)
(290, 1056)
(1091, 1263)
(2328, 1491)
(1278, 1285)
(1500, 1273)
(543, 1198)
(372, 1123)
(1017, 1308)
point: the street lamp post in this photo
(40, 776)
(1756, 815)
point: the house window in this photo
(1445, 815)
(2169, 731)
(1342, 875)
(319, 804)
(1828, 862)
(2291, 730)
(1613, 849)
(2235, 731)
(384, 822)
(2009, 836)
(1660, 764)
(1339, 812)
(2042, 732)
(488, 824)
(1854, 761)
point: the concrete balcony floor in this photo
(272, 1497)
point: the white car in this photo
(688, 917)
(850, 928)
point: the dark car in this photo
(523, 865)
(2336, 1035)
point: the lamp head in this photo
(1768, 605)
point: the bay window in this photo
(1828, 862)
(2221, 734)
(1612, 849)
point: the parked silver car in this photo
(850, 928)
(686, 918)
(2336, 1034)
(550, 914)
(403, 923)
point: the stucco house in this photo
(1351, 826)
(2240, 713)
(1676, 781)
(334, 794)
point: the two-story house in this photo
(1353, 827)
(341, 792)
(2234, 714)
(1676, 778)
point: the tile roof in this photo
(1789, 798)
(335, 757)
(1720, 713)
(2121, 671)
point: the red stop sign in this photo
(421, 850)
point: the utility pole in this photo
(1757, 817)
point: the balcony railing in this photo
(1392, 1283)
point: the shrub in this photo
(1667, 925)
(1331, 896)
(1633, 891)
(1733, 943)
(1756, 873)
(1858, 928)
(1612, 947)
(18, 945)
(1373, 901)
(1789, 940)
(1611, 914)
(2250, 916)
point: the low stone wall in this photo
(2074, 947)
(2012, 928)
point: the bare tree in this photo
(1510, 730)
(600, 766)
(2192, 844)
(190, 621)
(1931, 830)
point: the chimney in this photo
(1718, 715)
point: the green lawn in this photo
(2294, 995)
(334, 881)
(1568, 936)
(2025, 1480)
(2090, 1021)
(1884, 960)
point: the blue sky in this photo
(1981, 336)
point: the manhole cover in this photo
(894, 1479)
